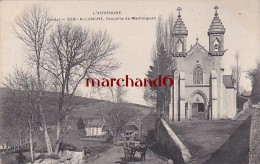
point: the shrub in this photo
(150, 137)
(51, 156)
(66, 146)
(41, 149)
(240, 102)
(20, 157)
(22, 149)
(81, 133)
(110, 139)
(81, 124)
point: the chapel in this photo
(200, 90)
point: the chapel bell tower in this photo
(216, 36)
(180, 34)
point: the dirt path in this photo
(116, 155)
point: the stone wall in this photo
(254, 153)
(170, 143)
(229, 103)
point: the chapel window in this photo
(198, 75)
(179, 46)
(216, 45)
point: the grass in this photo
(9, 158)
(203, 138)
(236, 148)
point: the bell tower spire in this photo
(216, 35)
(179, 35)
(179, 11)
(216, 9)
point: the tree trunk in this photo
(47, 140)
(61, 134)
(59, 123)
(115, 138)
(57, 147)
(20, 139)
(31, 145)
(58, 140)
(58, 130)
(46, 135)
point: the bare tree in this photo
(20, 109)
(150, 96)
(236, 72)
(75, 53)
(32, 28)
(120, 94)
(254, 76)
(117, 116)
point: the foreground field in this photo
(203, 138)
(236, 148)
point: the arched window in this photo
(216, 45)
(179, 45)
(198, 75)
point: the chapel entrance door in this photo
(198, 111)
(194, 110)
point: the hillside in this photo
(84, 107)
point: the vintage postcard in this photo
(108, 82)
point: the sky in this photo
(137, 37)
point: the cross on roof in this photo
(216, 8)
(179, 10)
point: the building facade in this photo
(200, 89)
(95, 127)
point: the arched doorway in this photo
(198, 106)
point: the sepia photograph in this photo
(107, 82)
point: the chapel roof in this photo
(96, 122)
(133, 124)
(198, 45)
(132, 127)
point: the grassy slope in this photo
(85, 107)
(203, 138)
(236, 148)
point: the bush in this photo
(150, 137)
(66, 146)
(240, 102)
(22, 149)
(81, 133)
(51, 156)
(86, 151)
(20, 157)
(110, 139)
(81, 124)
(41, 149)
